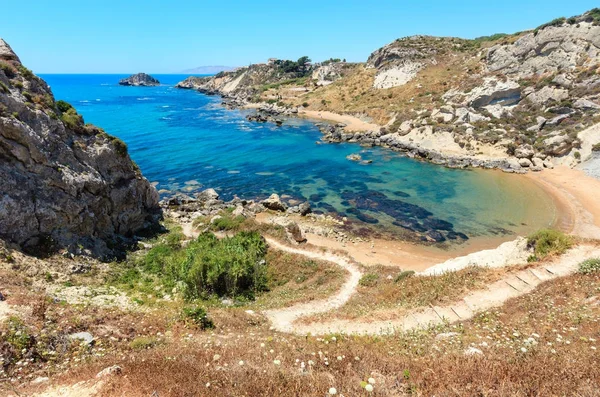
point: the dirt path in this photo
(283, 319)
(513, 285)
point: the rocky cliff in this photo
(140, 80)
(65, 184)
(511, 101)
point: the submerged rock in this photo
(140, 79)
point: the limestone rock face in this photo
(140, 79)
(64, 184)
(399, 62)
(553, 49)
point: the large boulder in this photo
(274, 203)
(494, 91)
(64, 184)
(294, 233)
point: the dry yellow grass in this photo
(543, 344)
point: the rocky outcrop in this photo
(400, 61)
(64, 184)
(140, 80)
(560, 47)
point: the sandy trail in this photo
(283, 319)
(511, 286)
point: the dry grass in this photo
(541, 345)
(354, 94)
(385, 292)
(296, 279)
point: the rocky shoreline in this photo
(336, 133)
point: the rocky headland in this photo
(139, 80)
(66, 185)
(515, 102)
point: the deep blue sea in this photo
(186, 141)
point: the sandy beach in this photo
(576, 197)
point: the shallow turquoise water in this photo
(186, 141)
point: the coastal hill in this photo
(513, 101)
(65, 184)
(140, 79)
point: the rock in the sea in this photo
(295, 233)
(64, 184)
(274, 203)
(140, 79)
(354, 157)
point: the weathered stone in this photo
(208, 194)
(140, 80)
(524, 151)
(548, 94)
(67, 185)
(84, 337)
(110, 371)
(525, 163)
(274, 203)
(494, 91)
(6, 53)
(585, 104)
(295, 233)
(538, 162)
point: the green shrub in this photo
(143, 342)
(227, 222)
(589, 266)
(198, 316)
(305, 104)
(577, 155)
(596, 147)
(120, 146)
(9, 70)
(226, 267)
(63, 106)
(72, 119)
(28, 74)
(548, 242)
(403, 275)
(369, 280)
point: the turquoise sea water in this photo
(186, 141)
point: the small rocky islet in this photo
(139, 80)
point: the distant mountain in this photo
(208, 69)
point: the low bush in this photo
(198, 316)
(405, 274)
(596, 147)
(548, 242)
(209, 266)
(227, 222)
(369, 280)
(590, 266)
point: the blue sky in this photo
(75, 36)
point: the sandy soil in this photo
(352, 123)
(577, 196)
